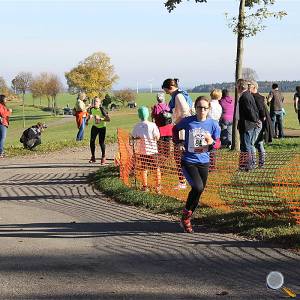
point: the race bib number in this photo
(197, 142)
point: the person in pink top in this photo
(158, 109)
(4, 122)
(226, 119)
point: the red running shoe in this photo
(185, 221)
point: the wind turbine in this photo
(151, 85)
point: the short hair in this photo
(168, 83)
(216, 94)
(160, 97)
(298, 88)
(225, 93)
(202, 98)
(274, 86)
(242, 83)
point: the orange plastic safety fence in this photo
(233, 182)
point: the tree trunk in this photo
(23, 109)
(53, 108)
(40, 101)
(55, 105)
(238, 73)
(49, 102)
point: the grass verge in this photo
(276, 231)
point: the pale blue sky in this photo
(144, 41)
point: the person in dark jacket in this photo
(249, 126)
(297, 102)
(275, 101)
(31, 137)
(265, 119)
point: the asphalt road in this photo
(60, 239)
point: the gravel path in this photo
(61, 239)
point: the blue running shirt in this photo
(196, 148)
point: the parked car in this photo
(67, 111)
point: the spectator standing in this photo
(275, 101)
(249, 126)
(202, 134)
(163, 119)
(81, 115)
(226, 120)
(181, 106)
(158, 110)
(100, 117)
(297, 102)
(5, 113)
(215, 111)
(146, 135)
(265, 133)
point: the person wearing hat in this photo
(145, 135)
(31, 137)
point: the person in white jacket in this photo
(215, 111)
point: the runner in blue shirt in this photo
(202, 134)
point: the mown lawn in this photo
(63, 130)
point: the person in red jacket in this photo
(4, 122)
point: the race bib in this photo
(197, 142)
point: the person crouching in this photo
(31, 137)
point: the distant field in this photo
(64, 128)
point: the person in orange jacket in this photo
(5, 112)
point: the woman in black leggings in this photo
(201, 136)
(100, 117)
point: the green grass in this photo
(276, 231)
(63, 131)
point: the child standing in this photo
(146, 134)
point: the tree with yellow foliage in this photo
(95, 76)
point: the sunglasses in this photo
(202, 107)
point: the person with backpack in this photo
(31, 137)
(181, 106)
(5, 113)
(100, 117)
(159, 110)
(163, 119)
(226, 120)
